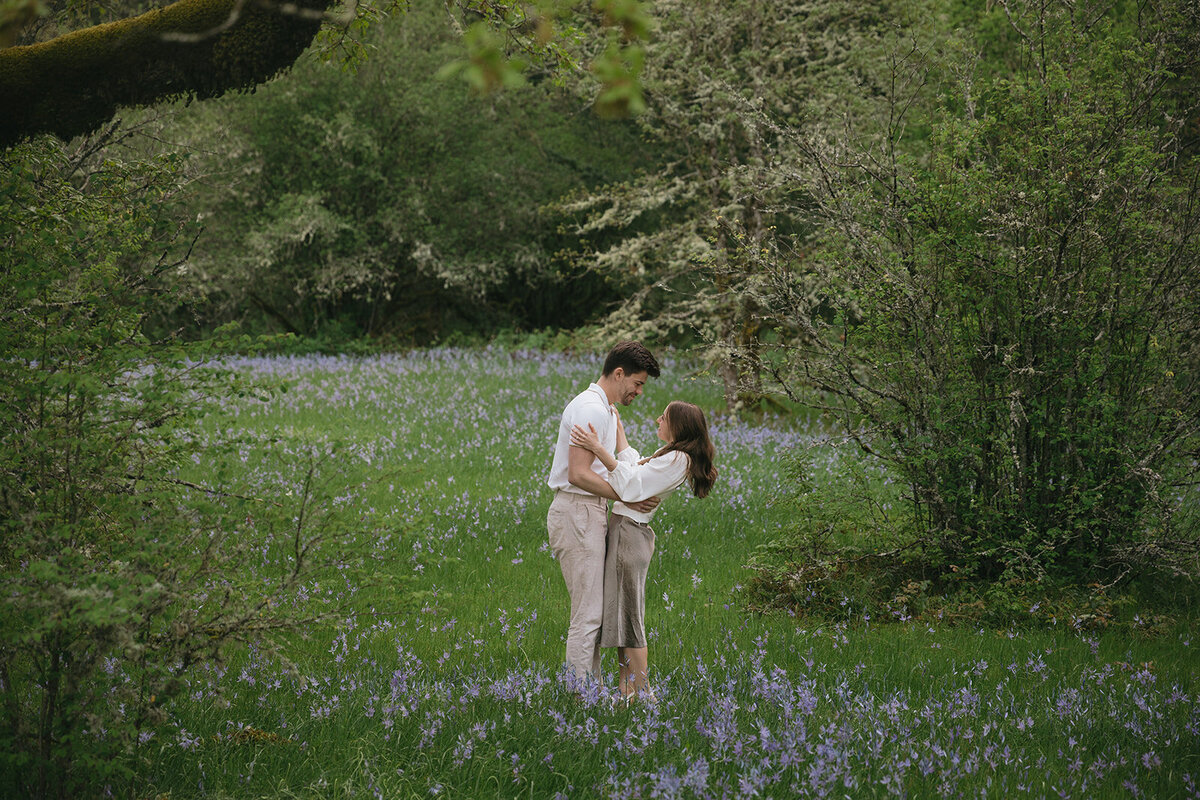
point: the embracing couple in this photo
(604, 559)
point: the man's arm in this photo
(579, 473)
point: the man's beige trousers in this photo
(577, 524)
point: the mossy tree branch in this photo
(72, 84)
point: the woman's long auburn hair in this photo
(689, 435)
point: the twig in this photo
(205, 489)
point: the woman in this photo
(686, 455)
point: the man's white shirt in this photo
(589, 406)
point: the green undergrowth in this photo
(852, 550)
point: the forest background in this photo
(962, 233)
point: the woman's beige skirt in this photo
(630, 544)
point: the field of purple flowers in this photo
(441, 677)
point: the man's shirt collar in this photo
(595, 387)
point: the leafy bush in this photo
(118, 576)
(1014, 323)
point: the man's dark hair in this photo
(631, 357)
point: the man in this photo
(578, 516)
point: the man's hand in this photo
(645, 506)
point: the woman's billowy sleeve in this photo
(629, 455)
(635, 482)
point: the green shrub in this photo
(116, 574)
(1015, 326)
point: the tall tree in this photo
(722, 79)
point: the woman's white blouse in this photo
(634, 482)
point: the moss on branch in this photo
(193, 48)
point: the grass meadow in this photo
(439, 678)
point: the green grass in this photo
(445, 455)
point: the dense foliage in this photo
(116, 575)
(1014, 325)
(410, 211)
